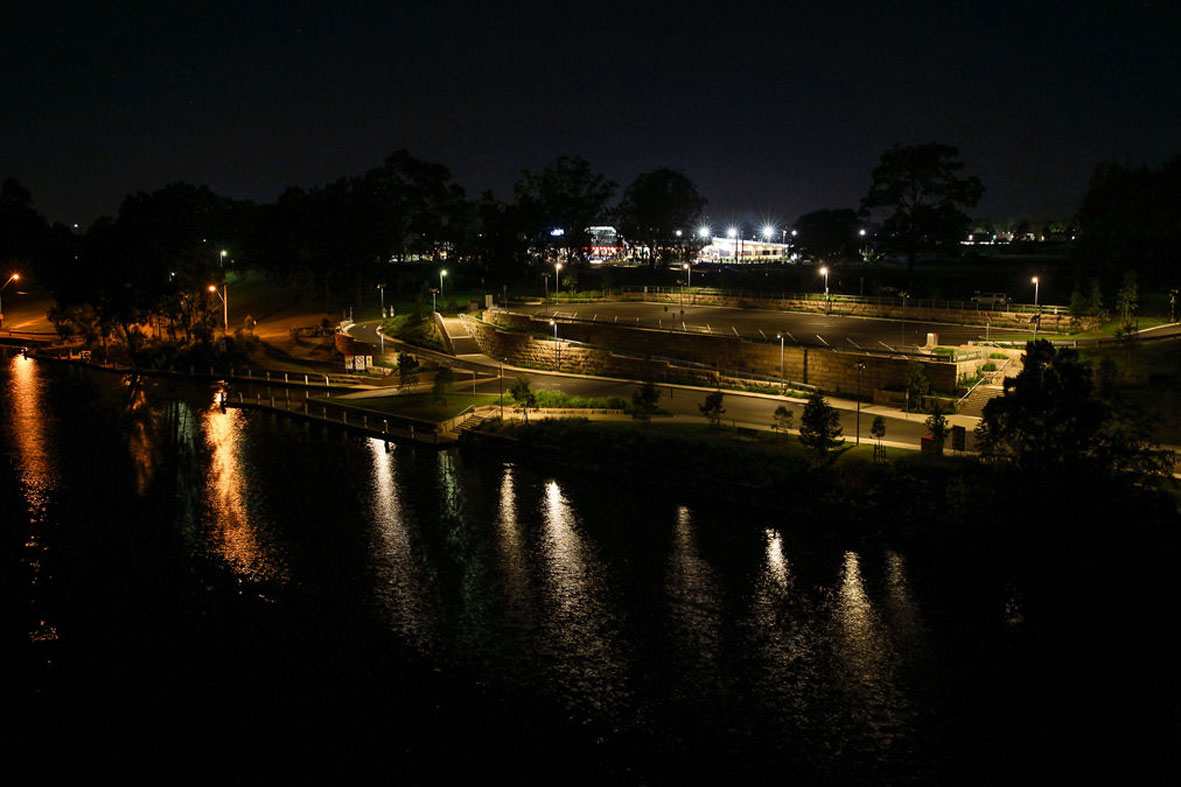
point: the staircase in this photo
(974, 404)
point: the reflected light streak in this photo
(861, 640)
(398, 582)
(904, 612)
(37, 472)
(234, 536)
(695, 609)
(580, 626)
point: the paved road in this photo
(804, 329)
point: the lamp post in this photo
(860, 369)
(224, 296)
(824, 273)
(557, 279)
(782, 381)
(442, 273)
(704, 233)
(11, 279)
(501, 389)
(545, 278)
(732, 234)
(1037, 312)
(381, 289)
(221, 258)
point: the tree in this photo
(820, 426)
(937, 424)
(917, 384)
(1128, 221)
(1052, 418)
(644, 401)
(443, 380)
(566, 197)
(712, 408)
(830, 232)
(781, 419)
(523, 396)
(407, 363)
(877, 432)
(1127, 299)
(655, 207)
(921, 188)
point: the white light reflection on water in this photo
(861, 638)
(579, 625)
(881, 714)
(510, 547)
(399, 581)
(232, 533)
(38, 474)
(695, 608)
(903, 612)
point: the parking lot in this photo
(800, 329)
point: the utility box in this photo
(959, 438)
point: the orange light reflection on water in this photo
(36, 470)
(233, 534)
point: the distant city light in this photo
(704, 232)
(768, 231)
(731, 232)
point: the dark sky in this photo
(772, 109)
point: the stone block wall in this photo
(832, 371)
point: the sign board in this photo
(368, 361)
(84, 355)
(958, 438)
(359, 363)
(348, 363)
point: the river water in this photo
(306, 600)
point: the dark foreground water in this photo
(191, 592)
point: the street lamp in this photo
(442, 273)
(502, 360)
(555, 325)
(705, 233)
(557, 279)
(1036, 321)
(11, 279)
(860, 369)
(381, 289)
(824, 273)
(688, 278)
(782, 381)
(221, 258)
(225, 305)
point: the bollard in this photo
(239, 397)
(305, 379)
(344, 416)
(305, 406)
(268, 375)
(284, 378)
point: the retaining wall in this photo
(526, 341)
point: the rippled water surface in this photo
(282, 572)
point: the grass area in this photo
(565, 400)
(696, 450)
(424, 406)
(412, 330)
(1112, 327)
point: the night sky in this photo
(772, 109)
